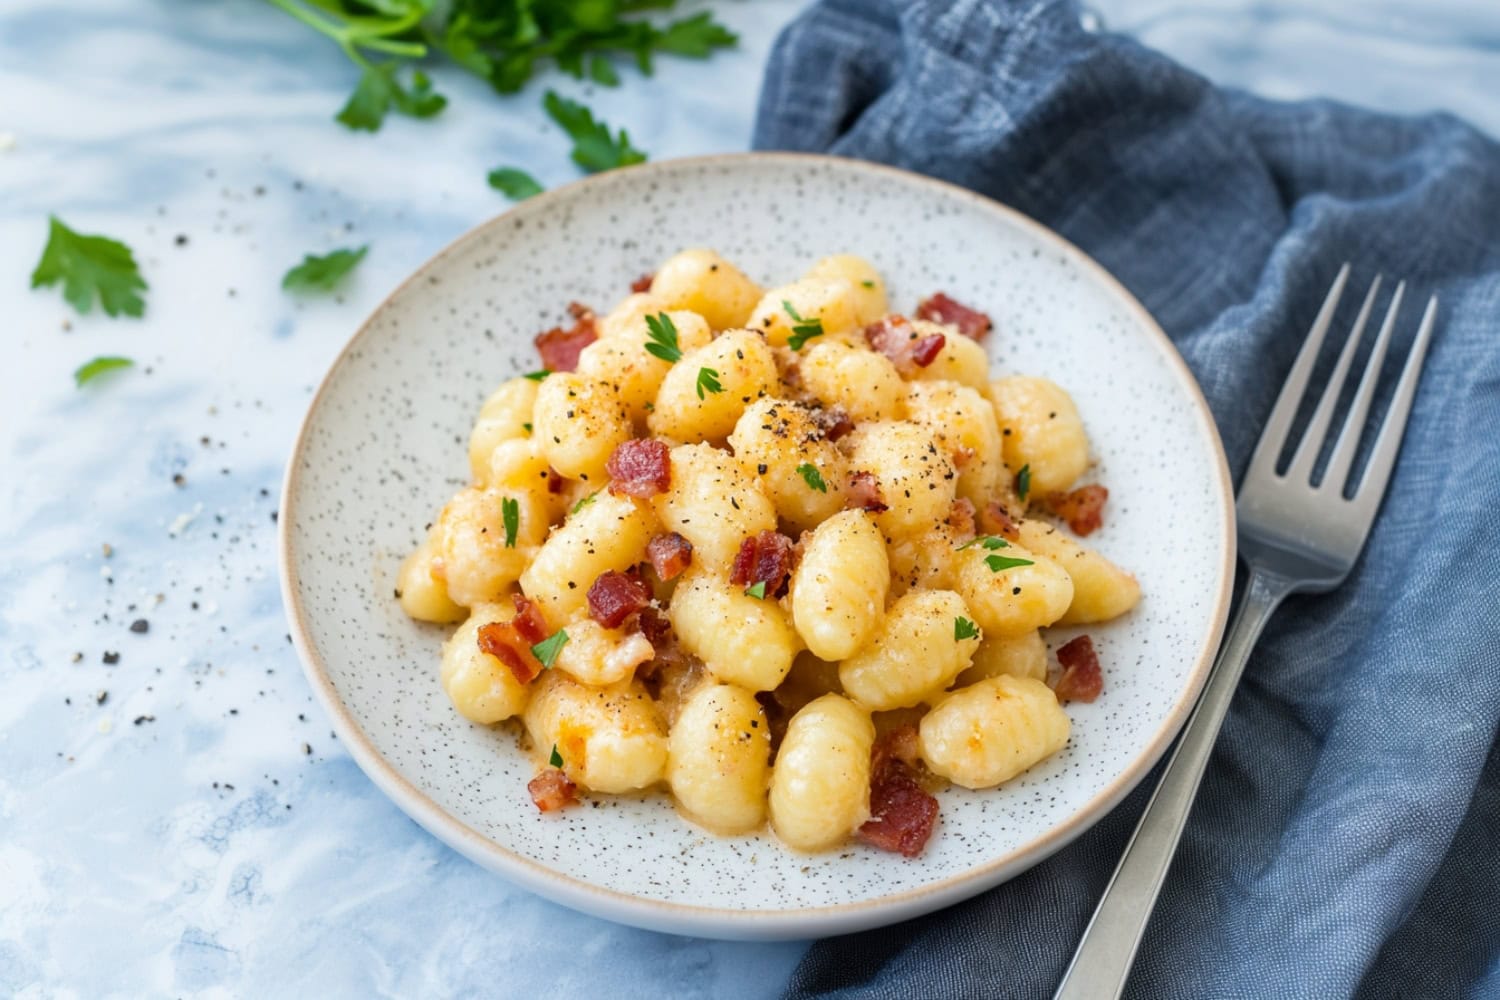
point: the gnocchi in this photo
(740, 545)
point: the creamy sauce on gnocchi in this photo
(782, 553)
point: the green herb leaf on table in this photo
(997, 563)
(88, 372)
(695, 37)
(708, 379)
(556, 759)
(756, 590)
(379, 90)
(546, 651)
(964, 629)
(1023, 481)
(602, 72)
(812, 477)
(517, 185)
(662, 334)
(90, 266)
(323, 274)
(510, 514)
(595, 148)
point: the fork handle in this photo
(1102, 962)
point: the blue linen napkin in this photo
(1347, 836)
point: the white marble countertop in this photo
(182, 822)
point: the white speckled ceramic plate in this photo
(383, 447)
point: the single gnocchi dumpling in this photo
(1101, 590)
(1011, 590)
(784, 445)
(741, 639)
(703, 395)
(478, 556)
(914, 654)
(607, 532)
(601, 656)
(820, 785)
(859, 381)
(719, 757)
(577, 423)
(991, 731)
(715, 503)
(923, 561)
(482, 689)
(829, 305)
(868, 298)
(610, 739)
(1023, 655)
(1040, 429)
(917, 480)
(505, 416)
(424, 595)
(701, 281)
(838, 589)
(964, 425)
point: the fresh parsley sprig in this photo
(546, 651)
(662, 334)
(323, 274)
(812, 477)
(510, 514)
(803, 329)
(515, 184)
(995, 563)
(1023, 481)
(964, 629)
(708, 379)
(595, 148)
(556, 759)
(93, 369)
(90, 267)
(757, 590)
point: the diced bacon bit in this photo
(961, 519)
(503, 641)
(1083, 509)
(834, 422)
(529, 621)
(940, 309)
(555, 482)
(996, 520)
(763, 558)
(658, 631)
(864, 493)
(925, 350)
(1081, 679)
(615, 596)
(560, 348)
(670, 554)
(902, 814)
(640, 468)
(642, 284)
(551, 790)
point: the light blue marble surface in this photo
(201, 851)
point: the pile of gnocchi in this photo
(783, 553)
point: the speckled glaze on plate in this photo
(383, 447)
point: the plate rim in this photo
(723, 922)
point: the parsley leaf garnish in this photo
(528, 428)
(379, 90)
(556, 759)
(602, 72)
(708, 379)
(662, 333)
(93, 369)
(585, 501)
(537, 375)
(997, 563)
(756, 590)
(595, 148)
(517, 185)
(868, 284)
(812, 477)
(988, 541)
(1023, 481)
(964, 629)
(510, 513)
(322, 274)
(88, 266)
(695, 37)
(546, 651)
(803, 330)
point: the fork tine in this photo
(1372, 485)
(1306, 457)
(1263, 461)
(1347, 445)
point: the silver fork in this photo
(1295, 535)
